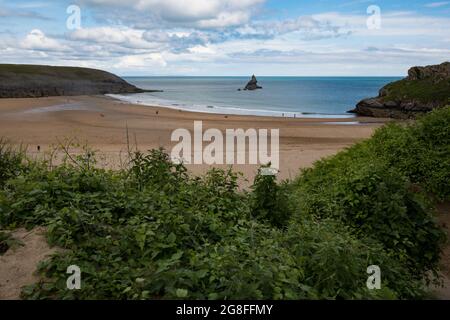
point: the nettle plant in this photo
(152, 231)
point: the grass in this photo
(425, 91)
(54, 71)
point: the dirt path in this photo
(17, 266)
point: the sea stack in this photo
(252, 84)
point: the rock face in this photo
(252, 84)
(425, 89)
(31, 81)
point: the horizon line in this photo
(260, 76)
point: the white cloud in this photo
(37, 40)
(393, 24)
(200, 13)
(123, 36)
(141, 61)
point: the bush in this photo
(421, 151)
(375, 201)
(8, 242)
(10, 161)
(269, 200)
(370, 188)
(198, 238)
(335, 262)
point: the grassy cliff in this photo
(28, 81)
(425, 89)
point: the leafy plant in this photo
(7, 242)
(10, 161)
(152, 231)
(420, 151)
(269, 200)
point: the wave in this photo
(148, 100)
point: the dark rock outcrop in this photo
(252, 84)
(31, 81)
(425, 89)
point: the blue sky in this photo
(228, 37)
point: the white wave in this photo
(148, 100)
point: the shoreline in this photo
(102, 122)
(328, 119)
(212, 109)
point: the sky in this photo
(228, 37)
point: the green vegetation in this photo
(11, 161)
(4, 242)
(25, 70)
(151, 231)
(424, 91)
(420, 151)
(7, 242)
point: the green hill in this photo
(425, 89)
(30, 81)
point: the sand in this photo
(102, 122)
(18, 265)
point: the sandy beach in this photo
(102, 123)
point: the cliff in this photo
(425, 89)
(30, 81)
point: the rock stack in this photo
(252, 84)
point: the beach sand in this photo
(102, 123)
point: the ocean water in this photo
(321, 97)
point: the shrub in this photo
(10, 161)
(369, 188)
(335, 262)
(156, 168)
(269, 200)
(8, 242)
(421, 150)
(375, 201)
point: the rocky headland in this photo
(33, 81)
(425, 89)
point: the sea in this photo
(310, 97)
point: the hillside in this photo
(31, 81)
(425, 89)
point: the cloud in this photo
(37, 40)
(141, 61)
(192, 13)
(23, 14)
(305, 27)
(228, 38)
(121, 36)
